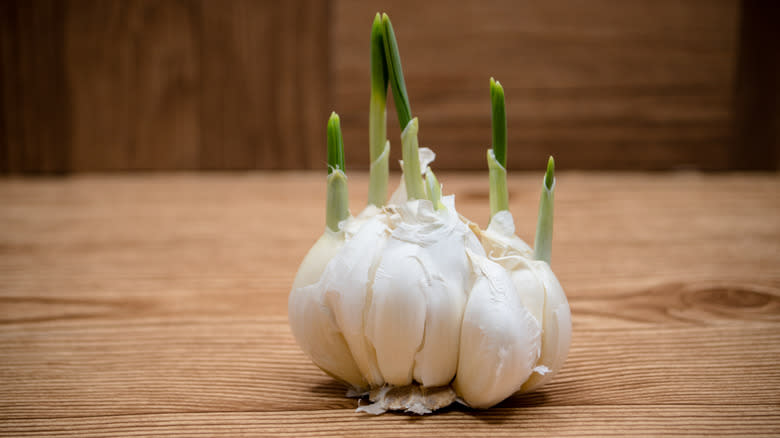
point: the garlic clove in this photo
(449, 271)
(556, 329)
(499, 341)
(348, 289)
(436, 362)
(312, 322)
(424, 270)
(540, 292)
(528, 286)
(314, 328)
(396, 316)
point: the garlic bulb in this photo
(413, 305)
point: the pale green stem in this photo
(499, 196)
(544, 225)
(377, 183)
(377, 126)
(496, 157)
(433, 189)
(379, 152)
(377, 120)
(338, 200)
(337, 207)
(411, 157)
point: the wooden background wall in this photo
(91, 85)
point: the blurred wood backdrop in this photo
(90, 85)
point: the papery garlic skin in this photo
(500, 239)
(499, 338)
(352, 226)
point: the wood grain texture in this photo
(35, 123)
(156, 306)
(111, 85)
(133, 71)
(637, 84)
(757, 91)
(264, 84)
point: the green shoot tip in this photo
(335, 144)
(378, 67)
(395, 73)
(498, 119)
(549, 176)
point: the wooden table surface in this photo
(157, 305)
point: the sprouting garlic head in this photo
(418, 298)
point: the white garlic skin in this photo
(500, 239)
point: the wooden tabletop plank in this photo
(575, 421)
(156, 305)
(222, 365)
